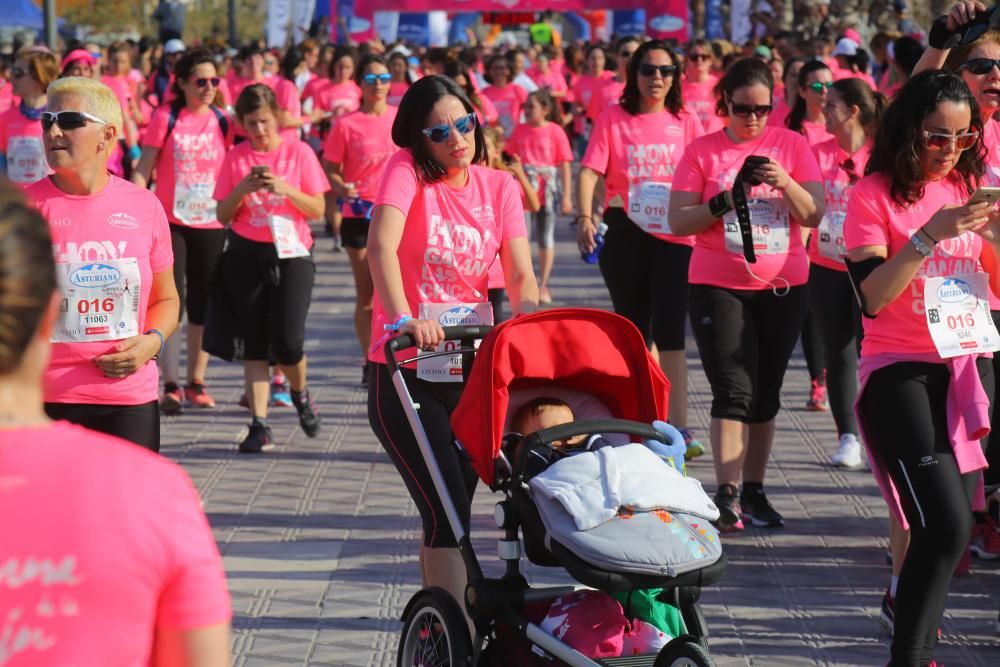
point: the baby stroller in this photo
(589, 355)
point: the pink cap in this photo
(852, 34)
(77, 55)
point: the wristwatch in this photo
(925, 250)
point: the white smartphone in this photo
(988, 195)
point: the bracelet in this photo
(159, 334)
(719, 205)
(582, 217)
(918, 243)
(924, 230)
(400, 321)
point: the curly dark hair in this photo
(797, 115)
(899, 142)
(744, 72)
(630, 94)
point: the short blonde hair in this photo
(98, 99)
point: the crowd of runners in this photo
(835, 190)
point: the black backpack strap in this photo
(223, 121)
(175, 112)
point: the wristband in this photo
(159, 335)
(719, 205)
(400, 321)
(940, 37)
(582, 217)
(925, 250)
(134, 152)
(924, 230)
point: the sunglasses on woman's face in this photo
(68, 120)
(695, 57)
(746, 110)
(979, 66)
(17, 72)
(820, 86)
(440, 133)
(371, 79)
(204, 82)
(649, 70)
(939, 141)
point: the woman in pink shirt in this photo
(748, 276)
(90, 577)
(699, 84)
(507, 97)
(459, 72)
(185, 143)
(22, 153)
(593, 77)
(269, 189)
(786, 94)
(547, 78)
(401, 77)
(608, 94)
(916, 254)
(354, 157)
(115, 268)
(635, 147)
(439, 221)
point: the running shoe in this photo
(172, 400)
(985, 543)
(729, 509)
(817, 397)
(694, 446)
(337, 245)
(197, 396)
(258, 439)
(848, 454)
(244, 401)
(309, 418)
(887, 615)
(758, 511)
(280, 393)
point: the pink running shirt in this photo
(396, 91)
(451, 235)
(7, 99)
(86, 577)
(191, 156)
(287, 95)
(362, 143)
(646, 148)
(874, 219)
(508, 101)
(120, 222)
(605, 96)
(815, 133)
(837, 185)
(21, 144)
(709, 166)
(552, 82)
(339, 98)
(699, 99)
(292, 161)
(543, 146)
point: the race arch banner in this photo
(665, 19)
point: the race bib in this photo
(958, 315)
(769, 221)
(830, 236)
(286, 238)
(194, 204)
(26, 163)
(449, 368)
(648, 204)
(100, 301)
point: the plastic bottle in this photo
(591, 257)
(672, 452)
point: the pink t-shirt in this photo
(542, 146)
(485, 111)
(585, 87)
(709, 166)
(779, 112)
(190, 156)
(451, 235)
(815, 133)
(292, 161)
(87, 573)
(362, 143)
(553, 82)
(7, 99)
(120, 222)
(874, 219)
(508, 101)
(605, 96)
(699, 99)
(991, 139)
(287, 95)
(21, 144)
(396, 91)
(338, 98)
(837, 187)
(632, 150)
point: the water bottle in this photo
(591, 257)
(672, 452)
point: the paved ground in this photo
(320, 539)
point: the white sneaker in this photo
(848, 454)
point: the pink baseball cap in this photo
(852, 34)
(77, 55)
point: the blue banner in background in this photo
(714, 27)
(577, 27)
(414, 28)
(627, 22)
(459, 23)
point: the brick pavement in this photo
(320, 540)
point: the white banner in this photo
(302, 15)
(739, 21)
(278, 16)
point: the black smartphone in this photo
(749, 165)
(505, 156)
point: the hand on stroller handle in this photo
(405, 341)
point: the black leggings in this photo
(903, 409)
(196, 253)
(812, 347)
(647, 279)
(437, 400)
(992, 474)
(136, 423)
(837, 318)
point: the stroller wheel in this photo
(684, 651)
(435, 632)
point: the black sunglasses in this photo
(850, 169)
(204, 82)
(695, 57)
(17, 72)
(979, 65)
(745, 110)
(646, 69)
(440, 133)
(68, 120)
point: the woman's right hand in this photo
(427, 334)
(585, 232)
(963, 13)
(952, 221)
(249, 184)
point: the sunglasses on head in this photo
(205, 81)
(850, 169)
(649, 70)
(68, 120)
(626, 54)
(370, 79)
(440, 133)
(820, 86)
(746, 110)
(695, 57)
(939, 141)
(979, 66)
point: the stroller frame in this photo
(488, 600)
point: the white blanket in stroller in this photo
(593, 486)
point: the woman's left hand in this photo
(133, 353)
(990, 232)
(773, 174)
(275, 184)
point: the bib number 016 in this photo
(95, 305)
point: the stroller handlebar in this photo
(593, 426)
(466, 333)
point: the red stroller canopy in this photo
(591, 351)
